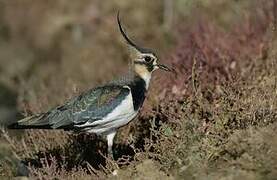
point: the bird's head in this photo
(144, 60)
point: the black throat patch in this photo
(138, 89)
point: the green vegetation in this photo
(213, 118)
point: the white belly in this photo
(120, 116)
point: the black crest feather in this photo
(129, 41)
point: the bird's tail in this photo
(32, 122)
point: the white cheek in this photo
(155, 65)
(147, 78)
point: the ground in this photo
(213, 118)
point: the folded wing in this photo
(90, 106)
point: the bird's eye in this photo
(147, 58)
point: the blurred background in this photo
(51, 50)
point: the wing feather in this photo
(90, 106)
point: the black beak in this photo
(164, 67)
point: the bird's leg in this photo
(110, 138)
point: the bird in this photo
(104, 109)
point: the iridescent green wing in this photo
(91, 106)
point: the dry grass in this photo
(215, 118)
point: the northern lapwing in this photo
(104, 109)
